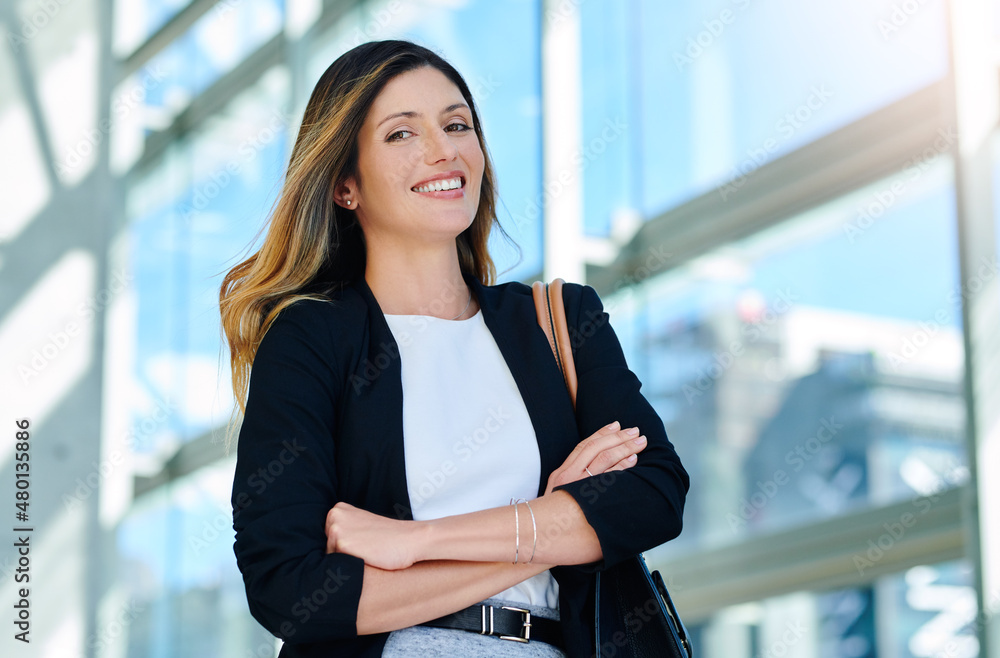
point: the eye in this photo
(396, 136)
(459, 127)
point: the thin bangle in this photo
(517, 534)
(534, 532)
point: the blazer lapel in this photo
(381, 473)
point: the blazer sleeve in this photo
(640, 507)
(285, 483)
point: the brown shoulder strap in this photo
(551, 314)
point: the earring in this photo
(348, 202)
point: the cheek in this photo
(474, 157)
(402, 163)
(476, 163)
(388, 173)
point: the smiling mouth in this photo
(440, 185)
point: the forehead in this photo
(425, 89)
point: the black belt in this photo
(508, 623)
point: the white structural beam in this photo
(976, 111)
(562, 129)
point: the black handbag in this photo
(634, 616)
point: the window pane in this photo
(923, 612)
(214, 45)
(137, 20)
(191, 217)
(712, 90)
(814, 368)
(175, 550)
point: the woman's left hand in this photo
(378, 540)
(610, 448)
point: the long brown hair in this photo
(313, 246)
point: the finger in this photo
(607, 430)
(628, 462)
(620, 441)
(608, 458)
(596, 444)
(340, 511)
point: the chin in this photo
(459, 218)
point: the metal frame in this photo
(825, 555)
(163, 37)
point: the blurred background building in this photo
(787, 207)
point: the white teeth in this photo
(439, 185)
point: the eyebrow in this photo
(411, 113)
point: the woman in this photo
(400, 401)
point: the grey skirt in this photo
(430, 642)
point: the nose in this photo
(440, 146)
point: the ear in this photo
(344, 194)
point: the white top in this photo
(468, 440)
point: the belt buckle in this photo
(526, 622)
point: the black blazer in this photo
(323, 423)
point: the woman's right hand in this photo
(608, 449)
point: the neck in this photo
(419, 282)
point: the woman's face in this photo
(419, 161)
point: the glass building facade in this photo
(789, 210)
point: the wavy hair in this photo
(314, 247)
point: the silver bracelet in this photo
(534, 533)
(517, 533)
(534, 529)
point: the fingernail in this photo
(613, 426)
(632, 431)
(631, 458)
(640, 441)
